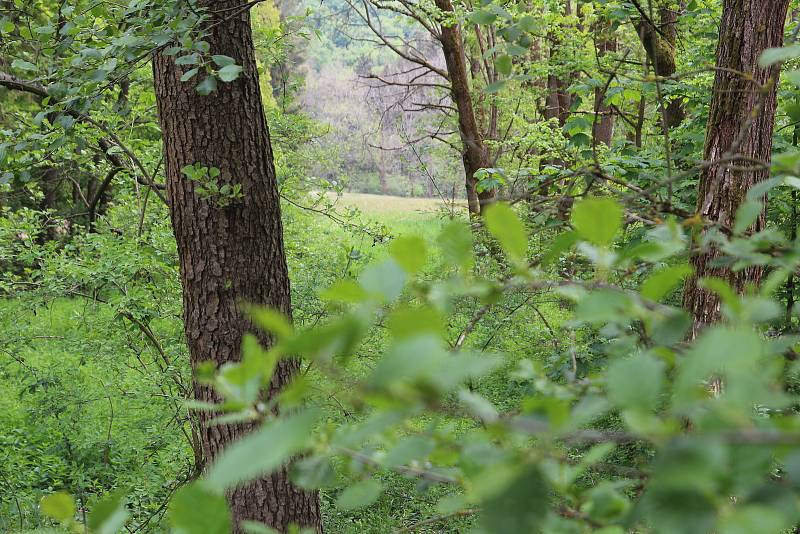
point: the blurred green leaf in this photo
(636, 383)
(597, 220)
(263, 450)
(359, 495)
(661, 282)
(59, 506)
(455, 241)
(108, 516)
(196, 510)
(508, 229)
(409, 252)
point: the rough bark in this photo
(659, 40)
(228, 254)
(475, 154)
(740, 122)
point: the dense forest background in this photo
(399, 266)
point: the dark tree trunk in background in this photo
(740, 113)
(49, 182)
(558, 99)
(475, 153)
(603, 126)
(659, 39)
(231, 254)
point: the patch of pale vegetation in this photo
(377, 204)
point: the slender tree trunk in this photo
(740, 121)
(49, 182)
(558, 99)
(659, 40)
(475, 153)
(603, 127)
(232, 253)
(382, 166)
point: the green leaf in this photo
(733, 354)
(189, 74)
(604, 305)
(313, 472)
(503, 64)
(228, 73)
(409, 252)
(597, 220)
(47, 29)
(495, 87)
(636, 383)
(509, 230)
(408, 449)
(359, 495)
(196, 510)
(521, 506)
(661, 282)
(344, 291)
(580, 139)
(4, 151)
(207, 86)
(529, 23)
(263, 450)
(188, 59)
(752, 518)
(746, 215)
(770, 56)
(108, 516)
(409, 321)
(59, 506)
(23, 65)
(385, 279)
(480, 16)
(270, 320)
(559, 245)
(254, 527)
(223, 61)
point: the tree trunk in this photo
(603, 126)
(558, 99)
(382, 166)
(475, 154)
(228, 253)
(740, 121)
(659, 44)
(49, 182)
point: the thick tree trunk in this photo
(740, 122)
(659, 44)
(475, 153)
(232, 253)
